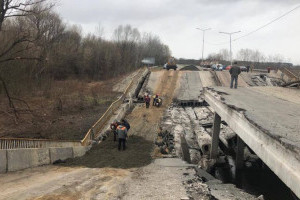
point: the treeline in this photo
(247, 56)
(37, 47)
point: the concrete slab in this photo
(207, 79)
(3, 161)
(287, 94)
(18, 159)
(60, 154)
(277, 117)
(225, 79)
(189, 87)
(268, 125)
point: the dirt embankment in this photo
(104, 171)
(144, 126)
(65, 111)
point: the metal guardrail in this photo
(15, 143)
(107, 115)
(289, 73)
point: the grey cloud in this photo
(175, 20)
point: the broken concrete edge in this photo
(19, 159)
(243, 112)
(284, 162)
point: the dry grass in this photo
(65, 111)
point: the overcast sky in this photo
(175, 22)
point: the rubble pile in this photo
(265, 80)
(190, 128)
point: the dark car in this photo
(243, 68)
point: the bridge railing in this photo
(289, 73)
(16, 143)
(98, 126)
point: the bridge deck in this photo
(189, 88)
(268, 125)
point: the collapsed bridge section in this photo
(268, 125)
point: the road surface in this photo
(225, 79)
(189, 86)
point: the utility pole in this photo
(203, 30)
(230, 33)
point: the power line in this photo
(259, 28)
(274, 20)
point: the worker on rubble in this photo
(113, 127)
(122, 135)
(147, 100)
(234, 72)
(155, 99)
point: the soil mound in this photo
(190, 68)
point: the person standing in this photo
(147, 100)
(113, 127)
(126, 124)
(234, 72)
(155, 99)
(248, 67)
(122, 135)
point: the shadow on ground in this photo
(106, 154)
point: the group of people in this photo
(157, 101)
(120, 130)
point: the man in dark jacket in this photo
(122, 135)
(113, 127)
(126, 124)
(234, 72)
(147, 100)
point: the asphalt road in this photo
(189, 86)
(280, 118)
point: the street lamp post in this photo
(230, 33)
(203, 30)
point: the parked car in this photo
(165, 66)
(220, 67)
(228, 67)
(243, 68)
(217, 67)
(214, 67)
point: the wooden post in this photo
(215, 136)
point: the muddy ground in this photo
(106, 154)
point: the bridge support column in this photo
(240, 153)
(215, 136)
(239, 162)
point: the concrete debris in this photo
(194, 124)
(264, 80)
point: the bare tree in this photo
(20, 38)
